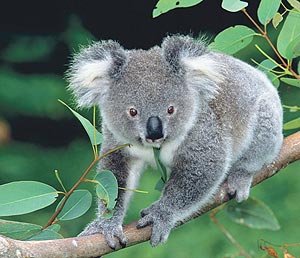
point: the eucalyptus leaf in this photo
(267, 9)
(159, 185)
(293, 124)
(253, 214)
(267, 65)
(164, 6)
(293, 48)
(18, 230)
(233, 5)
(277, 19)
(25, 196)
(94, 135)
(274, 78)
(160, 167)
(295, 4)
(233, 39)
(77, 204)
(289, 32)
(54, 227)
(107, 190)
(291, 81)
(46, 234)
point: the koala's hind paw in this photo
(239, 186)
(161, 225)
(109, 231)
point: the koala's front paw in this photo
(109, 230)
(239, 185)
(161, 224)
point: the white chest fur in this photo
(167, 153)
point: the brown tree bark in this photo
(95, 245)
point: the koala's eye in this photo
(133, 112)
(171, 110)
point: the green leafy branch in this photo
(98, 179)
(30, 196)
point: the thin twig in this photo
(226, 233)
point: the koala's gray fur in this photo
(212, 116)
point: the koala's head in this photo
(145, 97)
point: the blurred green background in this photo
(39, 135)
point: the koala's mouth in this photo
(154, 143)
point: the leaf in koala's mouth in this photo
(161, 168)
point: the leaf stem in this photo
(226, 233)
(133, 190)
(81, 179)
(59, 180)
(270, 58)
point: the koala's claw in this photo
(110, 232)
(161, 226)
(146, 211)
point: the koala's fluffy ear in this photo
(92, 70)
(191, 58)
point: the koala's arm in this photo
(197, 172)
(119, 163)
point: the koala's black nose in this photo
(154, 128)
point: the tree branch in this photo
(95, 245)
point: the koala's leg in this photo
(193, 181)
(127, 172)
(263, 149)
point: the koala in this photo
(213, 117)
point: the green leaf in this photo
(289, 32)
(107, 190)
(234, 5)
(159, 185)
(25, 196)
(54, 227)
(293, 48)
(233, 39)
(164, 6)
(292, 82)
(293, 124)
(253, 214)
(160, 167)
(273, 78)
(277, 19)
(77, 204)
(295, 4)
(94, 135)
(18, 230)
(267, 10)
(46, 234)
(267, 65)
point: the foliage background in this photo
(38, 135)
